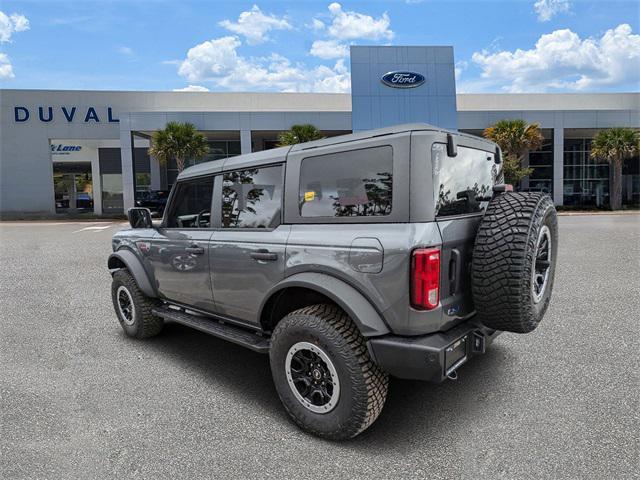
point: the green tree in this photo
(516, 139)
(179, 141)
(299, 134)
(615, 145)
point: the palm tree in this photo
(299, 134)
(516, 139)
(178, 141)
(616, 145)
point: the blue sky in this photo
(506, 46)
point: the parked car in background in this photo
(84, 201)
(154, 200)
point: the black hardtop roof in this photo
(279, 154)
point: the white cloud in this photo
(336, 79)
(128, 51)
(10, 24)
(347, 25)
(460, 67)
(317, 25)
(217, 61)
(192, 88)
(547, 9)
(327, 49)
(561, 60)
(213, 58)
(254, 25)
(6, 70)
(278, 73)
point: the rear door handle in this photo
(264, 255)
(195, 250)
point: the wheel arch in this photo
(127, 259)
(304, 289)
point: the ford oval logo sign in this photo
(403, 79)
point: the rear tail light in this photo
(425, 278)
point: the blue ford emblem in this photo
(403, 79)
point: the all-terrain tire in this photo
(138, 321)
(507, 283)
(362, 384)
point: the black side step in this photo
(221, 330)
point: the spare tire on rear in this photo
(514, 261)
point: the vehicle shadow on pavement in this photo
(415, 415)
(242, 371)
(419, 415)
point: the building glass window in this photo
(218, 149)
(270, 144)
(222, 149)
(73, 187)
(111, 180)
(586, 180)
(143, 182)
(112, 200)
(541, 161)
(141, 169)
(252, 198)
(631, 182)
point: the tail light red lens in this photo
(425, 278)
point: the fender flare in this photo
(135, 267)
(361, 311)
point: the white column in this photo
(97, 184)
(126, 156)
(245, 141)
(558, 165)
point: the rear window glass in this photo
(463, 184)
(355, 183)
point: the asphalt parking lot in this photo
(81, 400)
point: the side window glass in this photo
(355, 183)
(463, 184)
(252, 198)
(191, 206)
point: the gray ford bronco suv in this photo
(396, 251)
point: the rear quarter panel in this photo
(327, 248)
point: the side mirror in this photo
(452, 146)
(139, 217)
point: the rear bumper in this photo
(431, 357)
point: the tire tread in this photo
(371, 393)
(502, 260)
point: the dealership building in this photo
(69, 152)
